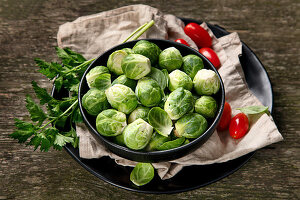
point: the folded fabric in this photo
(94, 34)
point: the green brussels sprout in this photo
(190, 126)
(148, 49)
(110, 122)
(125, 81)
(137, 134)
(156, 141)
(160, 76)
(160, 121)
(99, 77)
(94, 101)
(206, 82)
(171, 144)
(128, 50)
(142, 174)
(179, 79)
(170, 59)
(115, 60)
(179, 102)
(148, 91)
(206, 106)
(192, 64)
(121, 98)
(136, 66)
(139, 112)
(119, 139)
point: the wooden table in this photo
(28, 29)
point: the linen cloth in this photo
(94, 34)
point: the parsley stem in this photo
(81, 65)
(144, 29)
(66, 111)
(132, 34)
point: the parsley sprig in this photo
(60, 113)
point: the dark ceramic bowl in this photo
(154, 156)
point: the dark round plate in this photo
(190, 177)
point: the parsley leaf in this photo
(50, 70)
(41, 93)
(58, 83)
(76, 56)
(24, 131)
(35, 111)
(61, 140)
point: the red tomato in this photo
(198, 34)
(238, 126)
(211, 56)
(182, 41)
(225, 119)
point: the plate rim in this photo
(247, 157)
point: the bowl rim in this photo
(192, 143)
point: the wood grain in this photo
(28, 29)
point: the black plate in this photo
(190, 177)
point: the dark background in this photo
(28, 29)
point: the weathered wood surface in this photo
(28, 30)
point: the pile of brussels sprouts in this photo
(152, 91)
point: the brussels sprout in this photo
(142, 174)
(179, 103)
(171, 144)
(179, 79)
(192, 64)
(125, 81)
(190, 126)
(110, 122)
(170, 59)
(160, 76)
(206, 82)
(160, 121)
(94, 101)
(128, 50)
(121, 98)
(149, 92)
(206, 106)
(139, 112)
(99, 78)
(156, 141)
(137, 134)
(148, 49)
(136, 66)
(115, 60)
(119, 139)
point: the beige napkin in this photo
(92, 35)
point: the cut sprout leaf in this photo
(160, 120)
(252, 110)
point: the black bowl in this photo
(155, 156)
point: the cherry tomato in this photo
(238, 126)
(198, 34)
(225, 119)
(182, 41)
(211, 56)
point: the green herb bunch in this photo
(59, 113)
